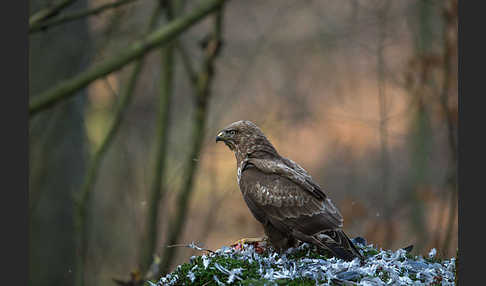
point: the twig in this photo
(160, 37)
(186, 61)
(191, 245)
(48, 12)
(110, 87)
(44, 25)
(214, 206)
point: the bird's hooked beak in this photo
(220, 137)
(223, 136)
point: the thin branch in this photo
(110, 87)
(158, 188)
(48, 12)
(82, 202)
(214, 206)
(192, 246)
(162, 36)
(202, 97)
(186, 61)
(44, 25)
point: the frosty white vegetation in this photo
(381, 267)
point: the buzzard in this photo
(282, 196)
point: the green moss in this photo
(368, 252)
(409, 256)
(309, 253)
(249, 270)
(383, 275)
(413, 276)
(262, 282)
(433, 259)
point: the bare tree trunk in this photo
(83, 201)
(450, 51)
(420, 149)
(383, 105)
(158, 189)
(202, 96)
(419, 80)
(57, 148)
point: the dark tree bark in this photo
(449, 90)
(56, 151)
(418, 85)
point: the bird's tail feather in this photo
(338, 243)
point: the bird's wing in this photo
(290, 170)
(285, 203)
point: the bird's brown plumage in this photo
(282, 196)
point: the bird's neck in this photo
(240, 156)
(262, 152)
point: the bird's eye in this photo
(232, 132)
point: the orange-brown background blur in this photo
(311, 74)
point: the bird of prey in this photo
(282, 196)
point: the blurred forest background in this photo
(127, 97)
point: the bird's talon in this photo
(258, 243)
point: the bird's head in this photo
(238, 133)
(244, 137)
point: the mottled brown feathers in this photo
(282, 195)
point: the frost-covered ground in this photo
(304, 266)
